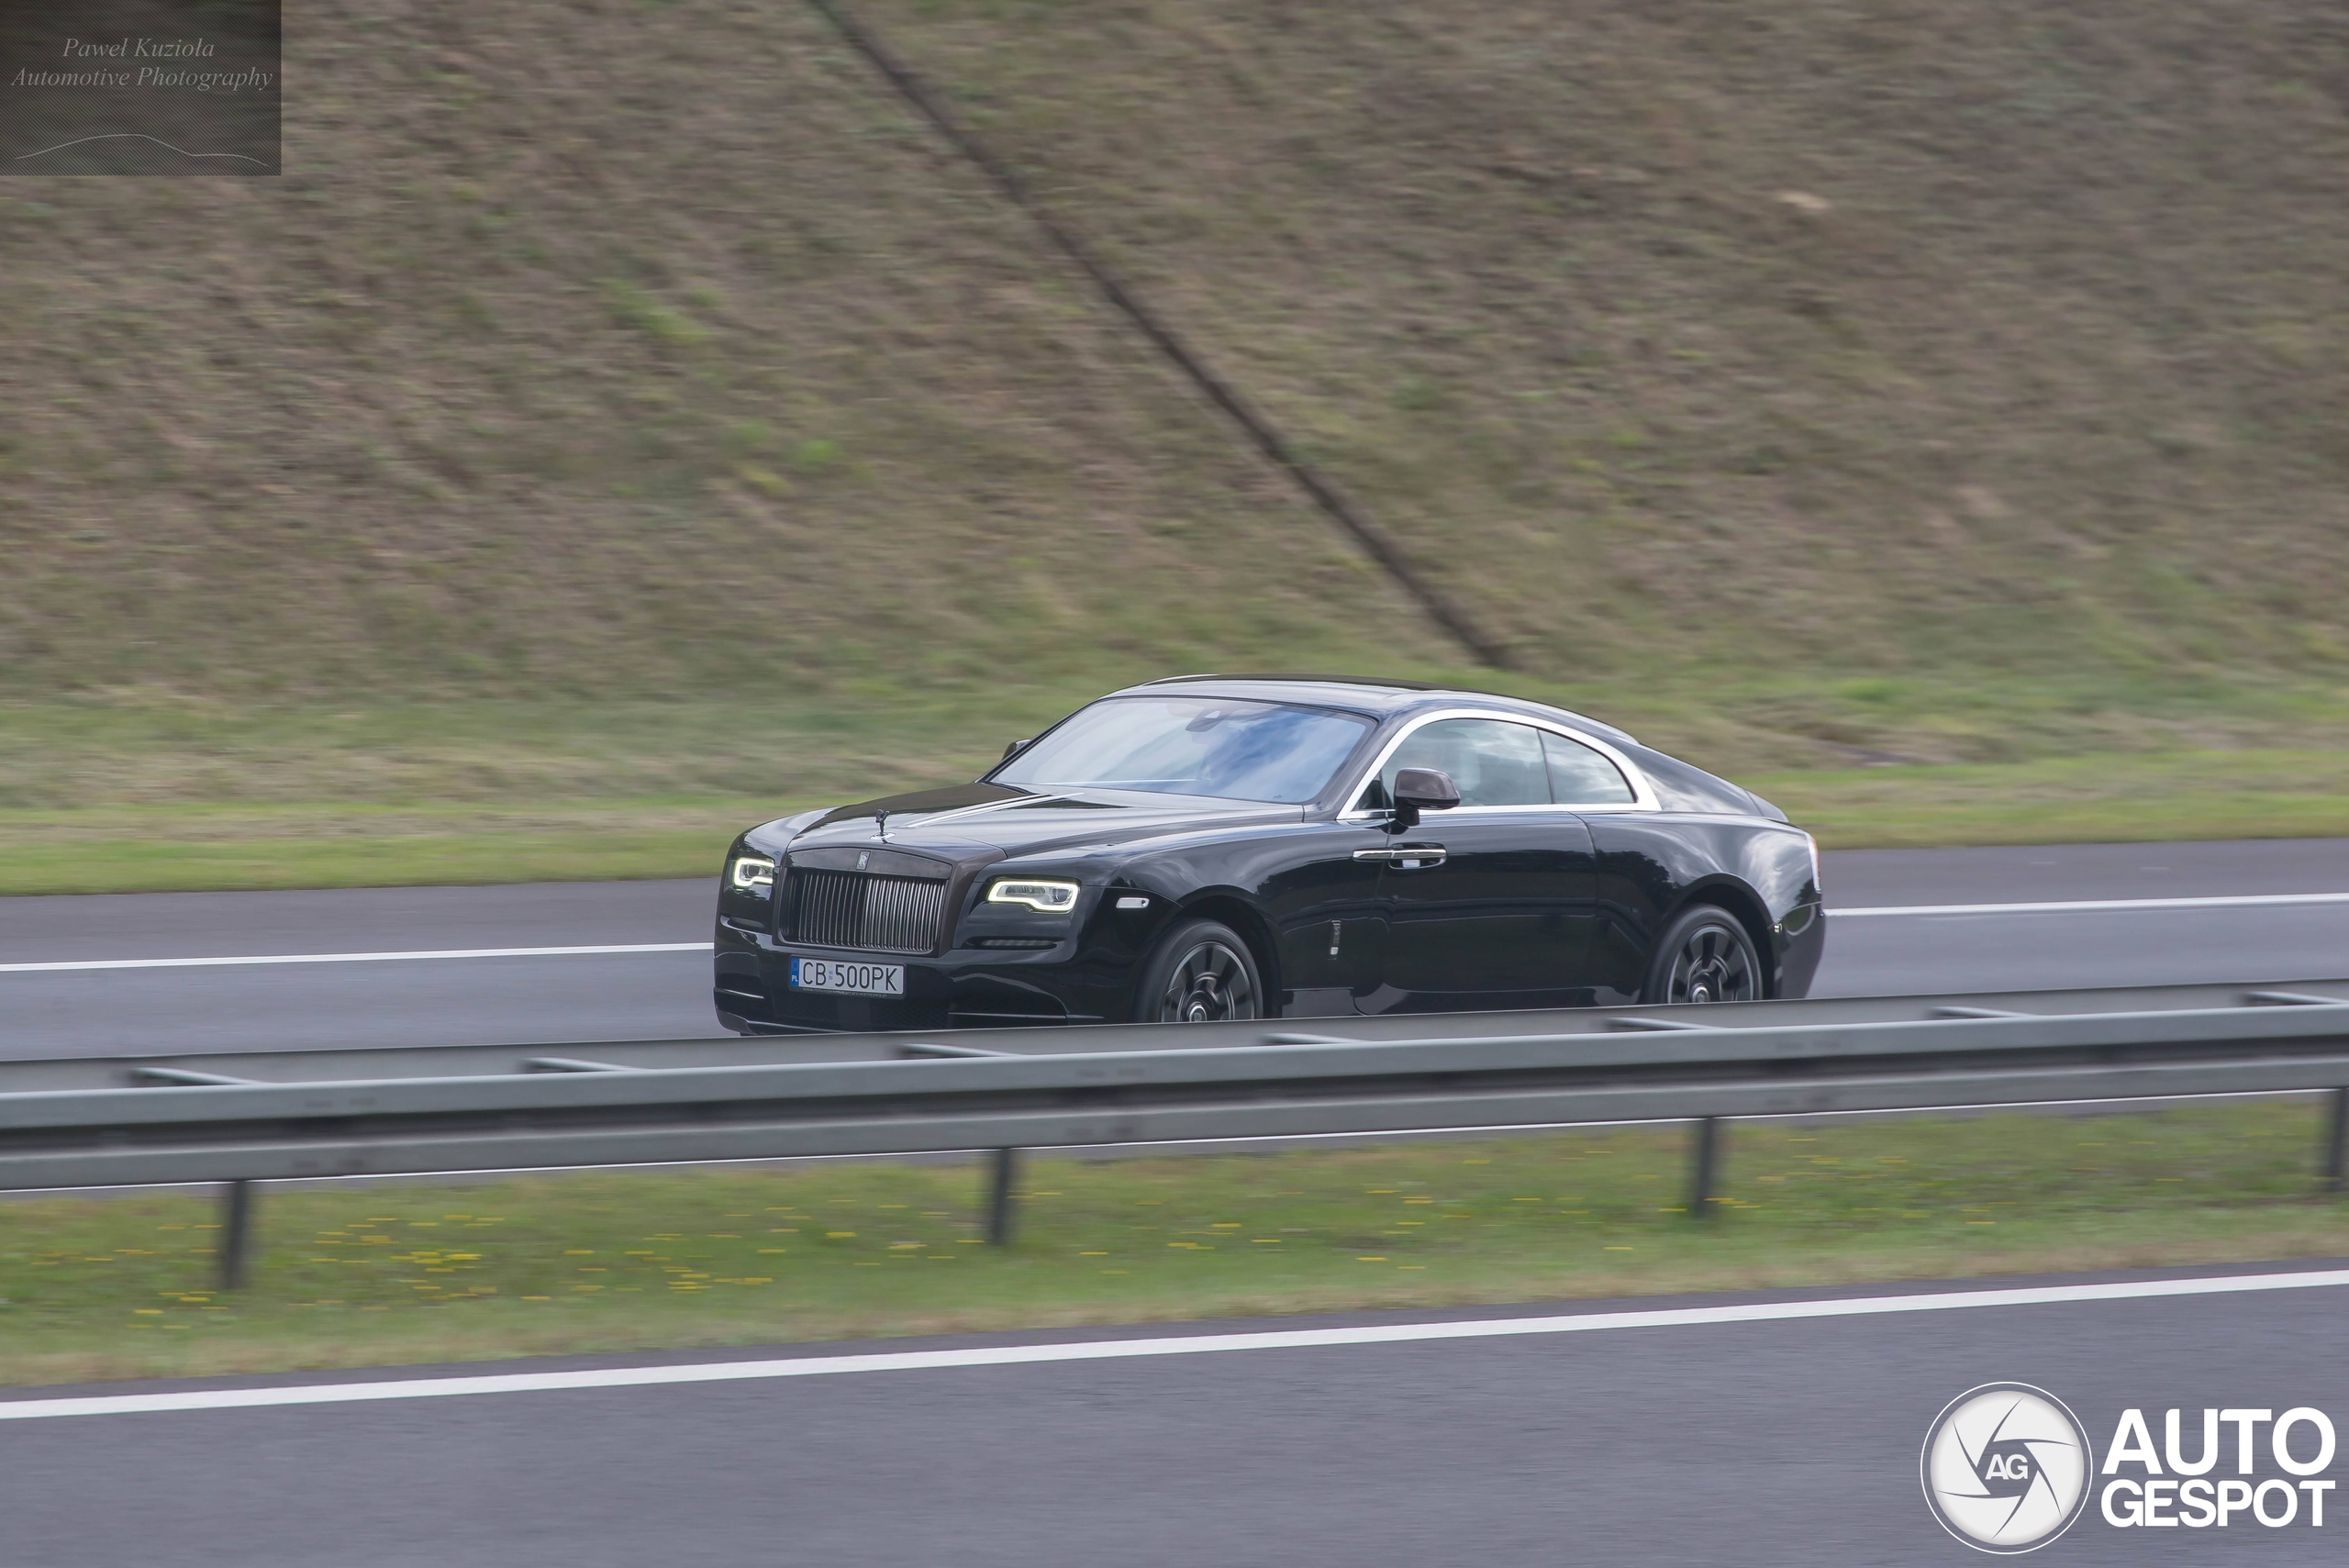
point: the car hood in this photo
(965, 818)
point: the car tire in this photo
(1200, 972)
(1706, 955)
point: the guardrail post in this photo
(236, 1234)
(1708, 1153)
(2336, 1138)
(1004, 1164)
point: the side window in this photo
(1494, 763)
(1581, 776)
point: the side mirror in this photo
(1013, 749)
(1426, 789)
(1422, 789)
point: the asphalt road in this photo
(656, 996)
(1749, 1443)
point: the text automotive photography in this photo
(141, 87)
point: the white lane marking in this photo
(1123, 1349)
(349, 957)
(2092, 906)
(2100, 906)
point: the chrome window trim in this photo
(1643, 796)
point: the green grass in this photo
(138, 793)
(145, 752)
(187, 848)
(147, 796)
(2092, 800)
(122, 1287)
(199, 849)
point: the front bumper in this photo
(966, 988)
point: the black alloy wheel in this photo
(1706, 956)
(1200, 973)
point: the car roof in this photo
(1381, 699)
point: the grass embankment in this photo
(632, 1261)
(1800, 393)
(1685, 352)
(1786, 339)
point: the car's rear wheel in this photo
(1705, 956)
(1200, 973)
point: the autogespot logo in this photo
(2006, 1467)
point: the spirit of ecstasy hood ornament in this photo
(880, 823)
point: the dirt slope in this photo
(658, 348)
(1905, 334)
(601, 347)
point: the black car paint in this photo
(1567, 903)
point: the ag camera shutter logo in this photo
(2006, 1468)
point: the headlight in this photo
(1045, 897)
(750, 872)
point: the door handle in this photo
(1414, 857)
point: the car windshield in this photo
(1210, 745)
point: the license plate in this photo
(856, 979)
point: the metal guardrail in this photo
(592, 1107)
(162, 1067)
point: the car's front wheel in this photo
(1200, 973)
(1705, 956)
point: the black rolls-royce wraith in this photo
(1240, 846)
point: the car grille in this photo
(872, 913)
